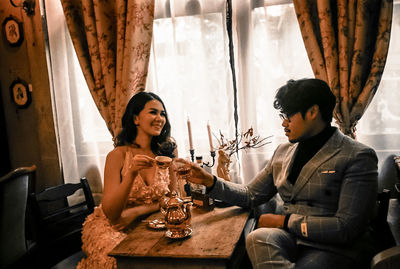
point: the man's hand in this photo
(271, 221)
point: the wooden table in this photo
(214, 243)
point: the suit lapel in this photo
(287, 164)
(331, 148)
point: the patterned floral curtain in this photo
(347, 43)
(112, 39)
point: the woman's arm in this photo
(130, 214)
(116, 189)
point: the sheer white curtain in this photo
(270, 52)
(189, 69)
(82, 134)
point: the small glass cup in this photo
(183, 170)
(163, 162)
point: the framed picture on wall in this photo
(20, 94)
(12, 31)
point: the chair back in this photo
(53, 214)
(13, 201)
(389, 175)
(58, 221)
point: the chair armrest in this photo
(249, 226)
(386, 259)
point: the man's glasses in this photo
(285, 116)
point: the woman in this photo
(131, 189)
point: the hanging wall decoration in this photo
(20, 93)
(13, 31)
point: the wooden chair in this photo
(13, 200)
(57, 224)
(381, 231)
(389, 256)
(387, 259)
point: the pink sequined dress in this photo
(99, 237)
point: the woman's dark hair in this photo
(299, 95)
(160, 145)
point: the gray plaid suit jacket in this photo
(330, 203)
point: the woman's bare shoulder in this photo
(118, 152)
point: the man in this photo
(327, 181)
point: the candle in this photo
(190, 135)
(210, 137)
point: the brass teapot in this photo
(177, 217)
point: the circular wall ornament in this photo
(12, 31)
(20, 93)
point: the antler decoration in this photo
(249, 141)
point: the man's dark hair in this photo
(300, 95)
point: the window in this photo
(190, 70)
(380, 125)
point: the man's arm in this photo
(259, 190)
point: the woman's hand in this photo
(197, 174)
(133, 164)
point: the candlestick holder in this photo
(212, 153)
(191, 154)
(213, 160)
